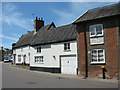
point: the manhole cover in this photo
(31, 83)
(61, 78)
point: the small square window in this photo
(66, 46)
(39, 49)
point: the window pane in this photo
(99, 29)
(68, 45)
(94, 56)
(65, 46)
(94, 52)
(100, 55)
(92, 30)
(37, 49)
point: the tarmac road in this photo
(13, 77)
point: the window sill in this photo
(39, 63)
(38, 52)
(97, 44)
(98, 63)
(67, 50)
(96, 36)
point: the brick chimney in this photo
(38, 23)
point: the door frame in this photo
(24, 58)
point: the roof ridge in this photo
(63, 26)
(104, 6)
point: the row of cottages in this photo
(48, 48)
(90, 46)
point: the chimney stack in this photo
(38, 24)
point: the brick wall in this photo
(110, 45)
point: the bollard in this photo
(103, 69)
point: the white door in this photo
(69, 65)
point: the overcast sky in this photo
(18, 18)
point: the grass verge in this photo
(21, 66)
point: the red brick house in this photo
(99, 42)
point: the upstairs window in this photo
(97, 56)
(96, 34)
(66, 46)
(96, 30)
(38, 49)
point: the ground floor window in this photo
(39, 59)
(19, 58)
(97, 56)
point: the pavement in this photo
(13, 77)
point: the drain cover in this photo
(31, 83)
(61, 78)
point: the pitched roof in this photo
(101, 12)
(47, 35)
(25, 39)
(59, 34)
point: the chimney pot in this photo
(41, 18)
(36, 18)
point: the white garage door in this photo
(69, 65)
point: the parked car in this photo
(8, 60)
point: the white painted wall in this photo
(50, 50)
(23, 52)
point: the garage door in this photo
(69, 65)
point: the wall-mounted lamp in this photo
(54, 57)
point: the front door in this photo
(24, 58)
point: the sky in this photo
(18, 17)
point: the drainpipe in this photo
(86, 56)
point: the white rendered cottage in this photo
(50, 49)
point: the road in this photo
(13, 77)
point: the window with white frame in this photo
(96, 30)
(66, 46)
(38, 49)
(96, 34)
(19, 58)
(97, 56)
(39, 59)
